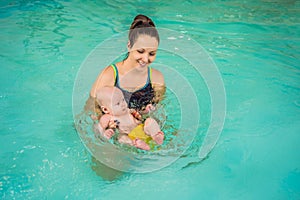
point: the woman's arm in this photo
(159, 93)
(92, 108)
(105, 78)
(158, 84)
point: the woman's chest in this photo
(132, 83)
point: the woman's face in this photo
(143, 51)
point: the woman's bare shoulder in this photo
(105, 78)
(157, 77)
(108, 71)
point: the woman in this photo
(141, 85)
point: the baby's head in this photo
(111, 100)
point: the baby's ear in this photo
(105, 110)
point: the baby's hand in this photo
(108, 133)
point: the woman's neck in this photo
(129, 66)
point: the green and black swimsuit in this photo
(139, 98)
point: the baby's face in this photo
(118, 105)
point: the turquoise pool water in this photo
(255, 47)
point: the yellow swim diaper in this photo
(138, 132)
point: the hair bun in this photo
(142, 25)
(141, 21)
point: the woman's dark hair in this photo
(142, 25)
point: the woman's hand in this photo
(113, 124)
(136, 114)
(147, 109)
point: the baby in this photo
(118, 115)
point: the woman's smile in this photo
(142, 63)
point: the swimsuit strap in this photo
(115, 73)
(149, 75)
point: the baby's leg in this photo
(124, 139)
(138, 143)
(152, 129)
